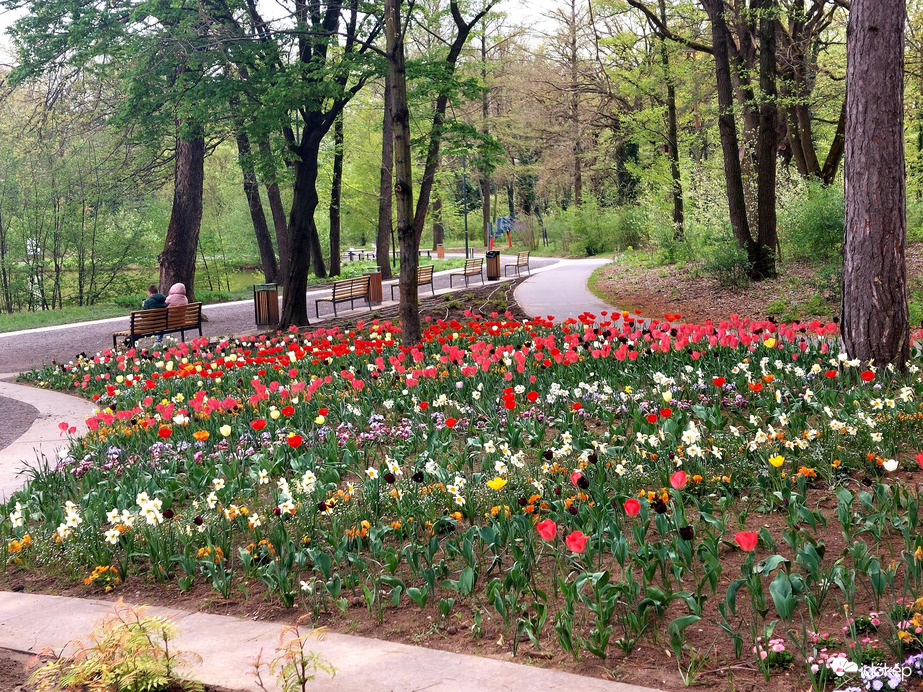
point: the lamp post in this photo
(465, 198)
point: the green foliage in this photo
(811, 223)
(295, 665)
(724, 260)
(594, 230)
(128, 652)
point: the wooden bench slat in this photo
(347, 290)
(159, 321)
(473, 267)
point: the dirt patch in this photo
(801, 292)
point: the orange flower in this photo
(201, 435)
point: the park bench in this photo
(159, 321)
(522, 260)
(360, 254)
(424, 277)
(347, 290)
(473, 267)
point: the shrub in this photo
(812, 223)
(127, 652)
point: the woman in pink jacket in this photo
(177, 295)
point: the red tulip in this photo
(164, 432)
(576, 541)
(532, 396)
(746, 540)
(258, 424)
(577, 406)
(294, 441)
(868, 376)
(288, 411)
(651, 417)
(718, 381)
(678, 480)
(547, 529)
(830, 374)
(323, 411)
(632, 507)
(666, 412)
(920, 459)
(450, 422)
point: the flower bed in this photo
(591, 486)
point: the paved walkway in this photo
(228, 646)
(562, 292)
(36, 347)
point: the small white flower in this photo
(218, 483)
(371, 473)
(890, 465)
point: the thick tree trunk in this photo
(257, 216)
(305, 244)
(177, 261)
(766, 236)
(875, 314)
(386, 188)
(727, 128)
(277, 209)
(336, 195)
(672, 134)
(409, 309)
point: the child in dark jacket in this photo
(155, 299)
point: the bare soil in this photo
(801, 291)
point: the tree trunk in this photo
(177, 261)
(385, 188)
(305, 244)
(727, 128)
(409, 309)
(672, 134)
(766, 236)
(277, 209)
(837, 146)
(336, 195)
(485, 209)
(438, 228)
(252, 192)
(875, 313)
(442, 101)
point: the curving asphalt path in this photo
(561, 291)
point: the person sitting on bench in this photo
(155, 299)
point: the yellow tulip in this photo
(777, 460)
(496, 483)
(320, 420)
(225, 430)
(770, 342)
(274, 414)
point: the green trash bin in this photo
(266, 304)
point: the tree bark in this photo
(408, 241)
(766, 236)
(835, 154)
(438, 228)
(336, 195)
(177, 261)
(875, 313)
(277, 209)
(255, 204)
(305, 244)
(672, 133)
(386, 188)
(727, 127)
